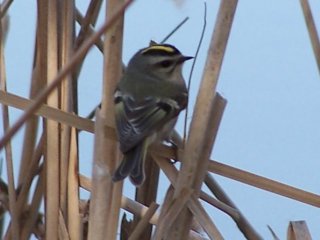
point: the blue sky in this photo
(269, 78)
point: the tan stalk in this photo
(264, 183)
(52, 156)
(65, 41)
(53, 114)
(105, 194)
(206, 118)
(15, 230)
(74, 225)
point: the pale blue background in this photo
(269, 77)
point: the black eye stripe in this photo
(166, 63)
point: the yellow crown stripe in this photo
(159, 48)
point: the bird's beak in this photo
(186, 58)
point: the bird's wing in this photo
(135, 120)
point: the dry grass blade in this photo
(264, 183)
(62, 74)
(15, 231)
(51, 113)
(73, 190)
(98, 206)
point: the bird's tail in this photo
(132, 164)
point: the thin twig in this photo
(191, 70)
(175, 29)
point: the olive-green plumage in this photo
(148, 100)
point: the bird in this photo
(148, 99)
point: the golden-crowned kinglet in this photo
(148, 100)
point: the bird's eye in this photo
(166, 63)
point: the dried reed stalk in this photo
(106, 196)
(54, 114)
(112, 72)
(74, 221)
(66, 31)
(15, 231)
(264, 183)
(199, 144)
(53, 140)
